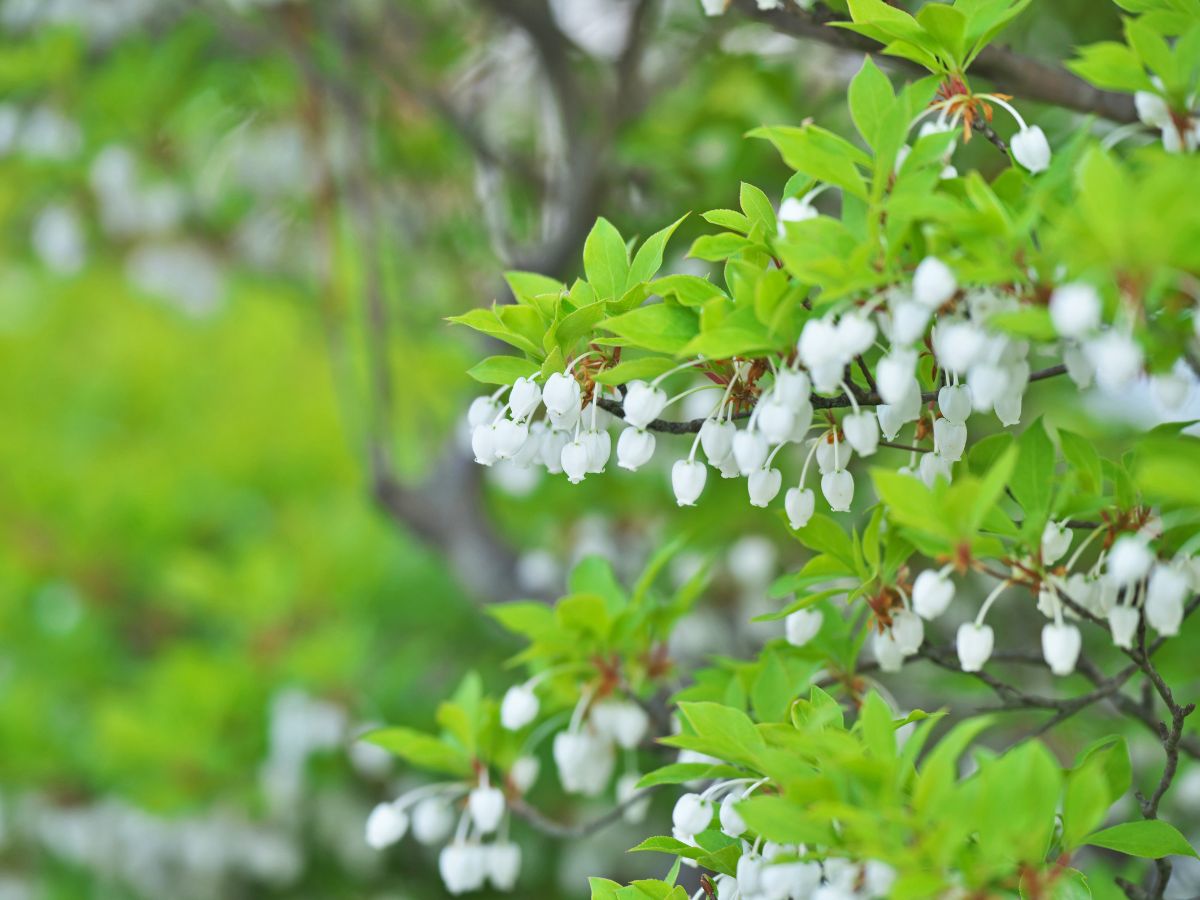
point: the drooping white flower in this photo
(509, 437)
(634, 449)
(1031, 149)
(1171, 389)
(794, 209)
(933, 283)
(519, 707)
(482, 411)
(974, 644)
(687, 480)
(627, 788)
(550, 450)
(933, 467)
(1152, 109)
(957, 345)
(599, 449)
(895, 374)
(1056, 541)
(832, 454)
(731, 820)
(561, 393)
(932, 593)
(483, 443)
(1079, 365)
(574, 460)
(887, 651)
(802, 626)
(838, 488)
(855, 334)
(1123, 622)
(1075, 309)
(1008, 407)
(623, 721)
(386, 825)
(749, 873)
(1116, 359)
(584, 760)
(908, 630)
(792, 387)
(432, 821)
(503, 865)
(763, 486)
(988, 382)
(909, 321)
(891, 420)
(463, 866)
(1129, 560)
(950, 439)
(1165, 594)
(692, 814)
(775, 419)
(643, 403)
(878, 878)
(791, 879)
(486, 806)
(1060, 647)
(524, 772)
(799, 504)
(862, 432)
(818, 344)
(524, 398)
(717, 440)
(566, 420)
(750, 450)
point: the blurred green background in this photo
(231, 233)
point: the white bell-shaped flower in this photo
(731, 820)
(503, 865)
(801, 421)
(933, 467)
(792, 879)
(891, 420)
(954, 401)
(1129, 560)
(827, 377)
(687, 480)
(524, 772)
(838, 488)
(634, 449)
(1060, 647)
(599, 449)
(692, 814)
(532, 448)
(1123, 622)
(794, 209)
(643, 403)
(509, 438)
(1075, 309)
(974, 644)
(799, 504)
(908, 630)
(432, 821)
(932, 593)
(482, 411)
(750, 450)
(550, 450)
(887, 651)
(1172, 389)
(716, 438)
(635, 811)
(1165, 595)
(519, 707)
(561, 393)
(1152, 109)
(895, 374)
(988, 382)
(729, 467)
(1056, 541)
(909, 321)
(818, 344)
(957, 345)
(1079, 365)
(933, 283)
(463, 867)
(862, 432)
(775, 420)
(855, 334)
(486, 806)
(524, 398)
(567, 419)
(832, 454)
(749, 873)
(792, 387)
(1116, 359)
(1031, 149)
(584, 760)
(949, 439)
(763, 486)
(623, 721)
(1008, 407)
(574, 460)
(386, 825)
(802, 626)
(483, 444)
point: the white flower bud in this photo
(1031, 149)
(832, 455)
(1165, 594)
(949, 439)
(818, 344)
(503, 865)
(838, 488)
(524, 772)
(561, 393)
(599, 449)
(957, 345)
(486, 805)
(462, 866)
(799, 504)
(802, 626)
(891, 420)
(717, 440)
(692, 814)
(551, 448)
(887, 651)
(750, 451)
(894, 374)
(732, 822)
(1060, 647)
(585, 762)
(1008, 407)
(524, 398)
(933, 283)
(385, 826)
(643, 403)
(862, 432)
(1123, 622)
(749, 874)
(1056, 541)
(1116, 359)
(634, 449)
(775, 420)
(955, 403)
(623, 721)
(432, 821)
(827, 377)
(933, 467)
(974, 645)
(855, 334)
(1075, 309)
(509, 438)
(909, 321)
(519, 707)
(1129, 560)
(687, 480)
(763, 485)
(483, 444)
(574, 460)
(792, 387)
(932, 593)
(908, 630)
(482, 411)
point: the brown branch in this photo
(546, 825)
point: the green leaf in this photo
(1087, 801)
(820, 154)
(663, 327)
(948, 27)
(1032, 480)
(719, 247)
(421, 750)
(643, 369)
(879, 733)
(648, 259)
(527, 285)
(689, 290)
(1112, 66)
(870, 97)
(758, 208)
(606, 260)
(1150, 839)
(1081, 456)
(502, 369)
(773, 691)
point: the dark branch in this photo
(546, 825)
